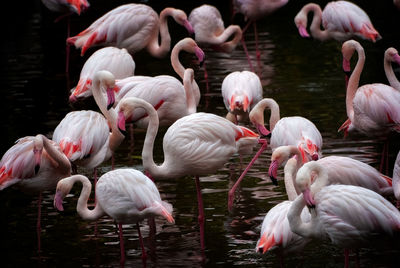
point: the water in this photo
(303, 76)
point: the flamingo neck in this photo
(391, 77)
(354, 81)
(305, 229)
(82, 206)
(60, 160)
(275, 113)
(315, 26)
(229, 46)
(116, 137)
(155, 48)
(290, 171)
(188, 79)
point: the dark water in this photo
(303, 76)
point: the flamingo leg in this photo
(144, 255)
(121, 244)
(201, 213)
(38, 225)
(206, 77)
(346, 258)
(258, 53)
(247, 54)
(232, 191)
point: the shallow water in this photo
(303, 76)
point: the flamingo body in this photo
(131, 26)
(342, 20)
(117, 61)
(241, 91)
(257, 9)
(63, 6)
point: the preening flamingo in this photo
(197, 144)
(126, 195)
(241, 91)
(117, 61)
(84, 136)
(275, 230)
(254, 10)
(34, 164)
(292, 130)
(391, 55)
(340, 170)
(348, 216)
(372, 109)
(342, 20)
(134, 27)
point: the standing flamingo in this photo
(197, 144)
(117, 61)
(275, 230)
(210, 31)
(340, 170)
(134, 27)
(84, 136)
(348, 216)
(342, 20)
(391, 55)
(293, 130)
(254, 10)
(34, 164)
(372, 109)
(126, 195)
(241, 91)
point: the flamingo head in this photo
(121, 122)
(110, 97)
(304, 178)
(200, 55)
(37, 152)
(301, 23)
(273, 171)
(392, 54)
(348, 49)
(64, 187)
(181, 18)
(279, 156)
(78, 6)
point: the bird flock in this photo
(331, 199)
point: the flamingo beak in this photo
(73, 98)
(58, 199)
(308, 198)
(188, 27)
(121, 123)
(396, 58)
(303, 31)
(110, 98)
(263, 131)
(200, 55)
(38, 158)
(272, 172)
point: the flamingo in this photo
(197, 144)
(84, 136)
(254, 10)
(342, 20)
(126, 195)
(346, 215)
(34, 164)
(241, 91)
(117, 61)
(292, 130)
(391, 55)
(340, 170)
(134, 27)
(396, 177)
(275, 230)
(210, 31)
(372, 109)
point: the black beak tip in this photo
(37, 167)
(311, 206)
(268, 136)
(347, 73)
(109, 106)
(193, 36)
(201, 63)
(274, 180)
(123, 132)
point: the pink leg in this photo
(258, 53)
(206, 77)
(231, 194)
(38, 225)
(247, 54)
(346, 258)
(144, 255)
(201, 213)
(121, 244)
(95, 199)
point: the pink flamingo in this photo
(134, 27)
(372, 109)
(275, 230)
(348, 216)
(241, 91)
(34, 164)
(340, 170)
(342, 20)
(126, 195)
(117, 61)
(391, 55)
(292, 130)
(210, 31)
(396, 177)
(254, 10)
(84, 136)
(197, 144)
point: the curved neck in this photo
(274, 107)
(116, 137)
(315, 26)
(229, 46)
(354, 82)
(155, 48)
(188, 79)
(82, 207)
(290, 171)
(320, 176)
(294, 216)
(391, 77)
(59, 158)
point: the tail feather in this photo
(388, 179)
(245, 133)
(266, 243)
